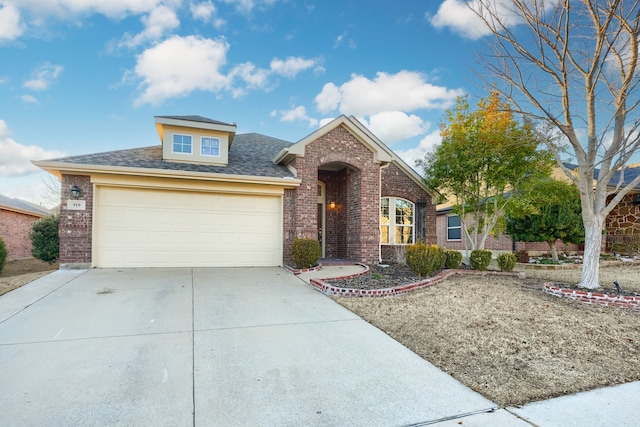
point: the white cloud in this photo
(426, 146)
(202, 11)
(15, 158)
(404, 91)
(325, 121)
(297, 114)
(180, 65)
(458, 16)
(206, 11)
(43, 76)
(329, 98)
(29, 99)
(10, 26)
(247, 6)
(160, 21)
(291, 66)
(70, 8)
(342, 38)
(253, 76)
(394, 126)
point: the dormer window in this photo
(210, 146)
(182, 144)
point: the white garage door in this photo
(161, 228)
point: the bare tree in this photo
(573, 64)
(51, 193)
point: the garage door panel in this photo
(138, 227)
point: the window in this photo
(182, 144)
(210, 146)
(396, 221)
(454, 228)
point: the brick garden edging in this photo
(329, 289)
(588, 297)
(297, 271)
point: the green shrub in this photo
(424, 259)
(480, 259)
(506, 261)
(305, 252)
(45, 242)
(3, 254)
(453, 258)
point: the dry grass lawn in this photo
(20, 272)
(504, 338)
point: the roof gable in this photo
(382, 153)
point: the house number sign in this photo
(76, 205)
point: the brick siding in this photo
(352, 229)
(76, 226)
(14, 230)
(395, 183)
(500, 243)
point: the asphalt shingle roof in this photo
(22, 205)
(250, 155)
(199, 119)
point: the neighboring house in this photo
(622, 225)
(16, 218)
(209, 197)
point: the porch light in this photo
(332, 205)
(75, 191)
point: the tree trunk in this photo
(591, 257)
(554, 252)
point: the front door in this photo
(321, 215)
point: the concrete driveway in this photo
(209, 347)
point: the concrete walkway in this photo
(228, 347)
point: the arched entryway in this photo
(339, 217)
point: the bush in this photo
(305, 252)
(506, 261)
(45, 242)
(3, 254)
(453, 259)
(423, 259)
(480, 259)
(522, 256)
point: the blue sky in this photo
(84, 76)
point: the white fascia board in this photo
(77, 169)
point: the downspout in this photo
(383, 166)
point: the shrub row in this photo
(425, 259)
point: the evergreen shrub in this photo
(45, 241)
(424, 259)
(305, 252)
(453, 259)
(3, 254)
(506, 261)
(480, 259)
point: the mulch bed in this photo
(379, 277)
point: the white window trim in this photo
(392, 221)
(181, 152)
(202, 138)
(453, 228)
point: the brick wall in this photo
(14, 230)
(361, 204)
(76, 225)
(397, 184)
(500, 243)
